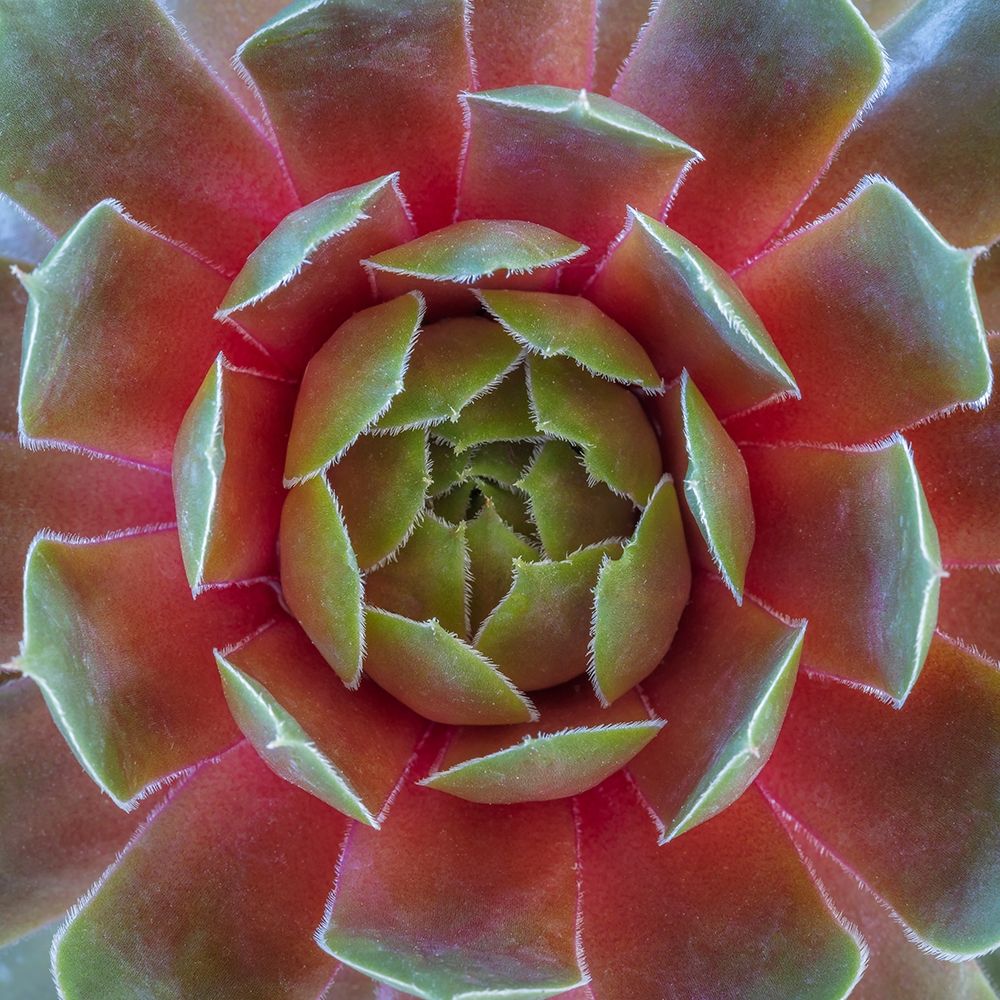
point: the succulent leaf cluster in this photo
(501, 499)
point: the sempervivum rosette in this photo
(506, 494)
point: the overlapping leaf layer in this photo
(533, 566)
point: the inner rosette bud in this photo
(473, 488)
(478, 505)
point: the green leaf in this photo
(934, 131)
(118, 337)
(348, 748)
(570, 512)
(502, 414)
(538, 634)
(477, 249)
(320, 577)
(846, 541)
(102, 616)
(447, 468)
(897, 965)
(210, 911)
(427, 578)
(510, 504)
(933, 857)
(351, 93)
(74, 494)
(719, 75)
(572, 327)
(502, 462)
(639, 597)
(305, 279)
(493, 549)
(574, 746)
(605, 420)
(227, 475)
(453, 362)
(908, 339)
(717, 508)
(438, 675)
(349, 383)
(568, 159)
(725, 682)
(687, 312)
(381, 484)
(105, 127)
(455, 899)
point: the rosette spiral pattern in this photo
(502, 499)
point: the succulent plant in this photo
(500, 499)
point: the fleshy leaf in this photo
(688, 313)
(618, 25)
(147, 925)
(905, 337)
(503, 462)
(604, 419)
(639, 598)
(447, 468)
(958, 458)
(456, 899)
(100, 128)
(970, 607)
(60, 831)
(511, 505)
(533, 41)
(845, 540)
(352, 93)
(501, 414)
(217, 36)
(320, 577)
(493, 549)
(574, 746)
(227, 475)
(453, 362)
(717, 75)
(381, 484)
(725, 683)
(897, 966)
(718, 512)
(102, 616)
(486, 253)
(427, 577)
(455, 504)
(69, 493)
(566, 159)
(570, 326)
(538, 633)
(938, 867)
(305, 278)
(568, 511)
(934, 131)
(732, 907)
(348, 748)
(438, 675)
(349, 383)
(118, 337)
